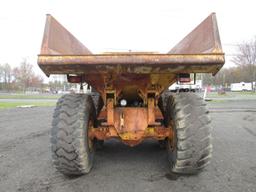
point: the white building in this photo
(242, 86)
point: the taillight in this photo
(74, 79)
(184, 78)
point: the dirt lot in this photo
(25, 159)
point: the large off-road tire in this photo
(190, 149)
(72, 150)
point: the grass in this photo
(24, 96)
(247, 93)
(7, 105)
(216, 101)
(231, 94)
(214, 94)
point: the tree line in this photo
(226, 76)
(19, 78)
(23, 77)
(244, 70)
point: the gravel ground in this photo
(25, 158)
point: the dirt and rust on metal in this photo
(133, 76)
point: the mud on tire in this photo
(190, 150)
(72, 151)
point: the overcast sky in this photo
(120, 25)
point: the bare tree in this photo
(36, 81)
(246, 59)
(6, 76)
(25, 76)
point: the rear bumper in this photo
(131, 63)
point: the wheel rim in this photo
(172, 143)
(90, 140)
(172, 139)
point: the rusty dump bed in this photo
(199, 52)
(130, 83)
